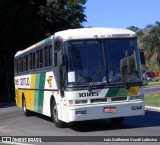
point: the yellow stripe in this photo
(18, 97)
(133, 90)
(30, 93)
(37, 44)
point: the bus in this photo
(81, 74)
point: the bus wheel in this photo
(26, 112)
(117, 121)
(54, 114)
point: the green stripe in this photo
(114, 92)
(122, 92)
(36, 93)
(40, 82)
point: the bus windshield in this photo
(100, 61)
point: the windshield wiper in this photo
(123, 80)
(121, 77)
(99, 69)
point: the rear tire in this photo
(25, 110)
(117, 121)
(54, 114)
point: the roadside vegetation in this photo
(154, 82)
(149, 41)
(152, 99)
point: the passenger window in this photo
(33, 64)
(37, 59)
(30, 61)
(21, 64)
(50, 55)
(57, 48)
(24, 64)
(46, 52)
(41, 58)
(27, 63)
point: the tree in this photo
(151, 41)
(62, 14)
(25, 22)
(149, 26)
(133, 28)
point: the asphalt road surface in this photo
(151, 90)
(14, 123)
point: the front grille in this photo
(98, 100)
(118, 99)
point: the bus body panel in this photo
(37, 90)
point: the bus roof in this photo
(85, 33)
(92, 33)
(35, 45)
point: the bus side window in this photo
(16, 66)
(24, 63)
(30, 61)
(19, 63)
(37, 59)
(27, 63)
(50, 55)
(41, 58)
(57, 48)
(33, 61)
(46, 54)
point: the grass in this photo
(152, 83)
(152, 99)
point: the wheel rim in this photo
(24, 106)
(55, 113)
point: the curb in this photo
(153, 86)
(151, 108)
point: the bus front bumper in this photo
(101, 111)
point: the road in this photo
(14, 123)
(151, 90)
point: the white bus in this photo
(81, 74)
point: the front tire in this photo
(25, 110)
(54, 114)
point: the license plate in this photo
(110, 109)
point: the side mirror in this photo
(142, 57)
(60, 58)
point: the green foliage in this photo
(18, 23)
(149, 41)
(133, 28)
(24, 22)
(62, 14)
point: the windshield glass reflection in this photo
(101, 61)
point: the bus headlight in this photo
(75, 102)
(139, 97)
